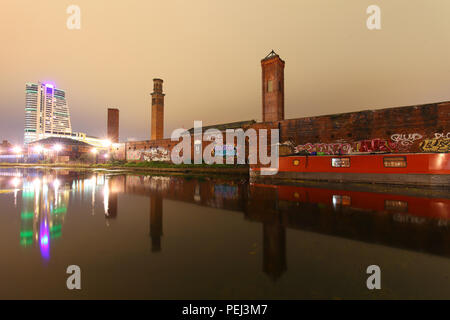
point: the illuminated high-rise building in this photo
(46, 112)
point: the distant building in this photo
(68, 150)
(5, 146)
(46, 112)
(9, 153)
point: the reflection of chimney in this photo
(274, 246)
(112, 206)
(157, 110)
(113, 125)
(156, 222)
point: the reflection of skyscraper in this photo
(274, 246)
(112, 205)
(156, 208)
(44, 205)
(27, 217)
(46, 112)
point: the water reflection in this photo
(43, 207)
(397, 219)
(45, 197)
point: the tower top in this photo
(272, 55)
(157, 86)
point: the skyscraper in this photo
(46, 112)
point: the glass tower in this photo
(46, 112)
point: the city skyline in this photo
(209, 73)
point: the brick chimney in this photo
(272, 87)
(113, 125)
(157, 110)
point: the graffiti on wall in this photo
(406, 139)
(435, 145)
(151, 154)
(373, 145)
(399, 142)
(442, 135)
(327, 148)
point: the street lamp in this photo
(106, 143)
(94, 152)
(17, 150)
(38, 148)
(57, 148)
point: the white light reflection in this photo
(106, 197)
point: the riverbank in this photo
(143, 167)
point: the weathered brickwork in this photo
(149, 150)
(422, 128)
(272, 88)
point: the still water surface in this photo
(161, 237)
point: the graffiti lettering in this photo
(327, 148)
(406, 139)
(374, 145)
(152, 154)
(435, 145)
(442, 135)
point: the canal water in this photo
(182, 237)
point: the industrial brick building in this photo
(409, 129)
(61, 150)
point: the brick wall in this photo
(423, 128)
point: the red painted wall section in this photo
(416, 164)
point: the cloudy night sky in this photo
(208, 53)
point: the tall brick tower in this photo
(157, 110)
(113, 125)
(272, 87)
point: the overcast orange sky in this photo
(208, 52)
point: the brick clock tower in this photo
(157, 110)
(272, 88)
